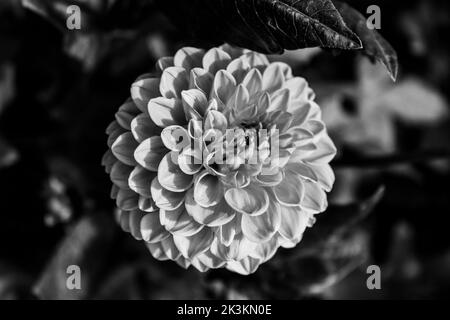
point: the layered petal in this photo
(171, 177)
(252, 200)
(179, 222)
(123, 148)
(166, 111)
(150, 152)
(289, 192)
(262, 227)
(219, 158)
(196, 244)
(165, 199)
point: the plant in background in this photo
(211, 213)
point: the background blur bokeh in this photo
(390, 205)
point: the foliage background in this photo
(59, 90)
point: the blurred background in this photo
(390, 205)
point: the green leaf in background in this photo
(374, 45)
(337, 220)
(268, 26)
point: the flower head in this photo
(219, 159)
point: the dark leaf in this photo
(268, 26)
(336, 220)
(374, 45)
(320, 270)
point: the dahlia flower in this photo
(218, 159)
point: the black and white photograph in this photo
(232, 151)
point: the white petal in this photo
(166, 199)
(302, 170)
(324, 153)
(293, 222)
(325, 176)
(208, 189)
(190, 160)
(144, 89)
(201, 79)
(223, 87)
(288, 244)
(279, 101)
(171, 177)
(114, 131)
(273, 77)
(300, 136)
(283, 121)
(123, 148)
(265, 251)
(299, 88)
(300, 113)
(108, 160)
(152, 231)
(120, 173)
(113, 126)
(124, 220)
(253, 82)
(302, 151)
(290, 191)
(251, 200)
(164, 63)
(263, 103)
(127, 199)
(233, 51)
(269, 180)
(316, 127)
(238, 68)
(245, 266)
(228, 231)
(126, 113)
(197, 264)
(173, 81)
(114, 191)
(182, 262)
(140, 179)
(196, 244)
(261, 228)
(240, 98)
(147, 204)
(170, 249)
(210, 260)
(211, 216)
(189, 58)
(315, 199)
(215, 120)
(256, 60)
(240, 248)
(215, 59)
(194, 103)
(179, 222)
(165, 112)
(143, 127)
(157, 251)
(175, 138)
(150, 152)
(135, 218)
